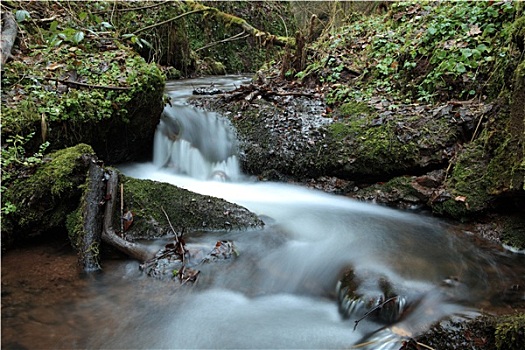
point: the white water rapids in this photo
(280, 292)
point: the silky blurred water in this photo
(280, 292)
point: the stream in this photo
(281, 291)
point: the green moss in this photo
(75, 228)
(374, 149)
(188, 211)
(513, 233)
(492, 165)
(57, 175)
(92, 111)
(354, 108)
(45, 198)
(471, 180)
(510, 332)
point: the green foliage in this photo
(422, 51)
(15, 162)
(22, 15)
(35, 97)
(192, 39)
(510, 332)
(44, 198)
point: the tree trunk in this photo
(92, 218)
(9, 31)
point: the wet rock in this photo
(171, 263)
(374, 140)
(207, 91)
(484, 332)
(432, 179)
(381, 303)
(187, 211)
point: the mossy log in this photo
(228, 19)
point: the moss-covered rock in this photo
(513, 233)
(187, 211)
(490, 169)
(119, 124)
(43, 200)
(79, 88)
(295, 138)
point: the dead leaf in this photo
(460, 199)
(400, 331)
(474, 30)
(54, 66)
(128, 220)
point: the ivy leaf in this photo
(22, 15)
(78, 37)
(432, 30)
(147, 43)
(460, 68)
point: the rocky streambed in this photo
(398, 155)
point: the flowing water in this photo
(281, 290)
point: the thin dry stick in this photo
(169, 222)
(70, 82)
(175, 232)
(374, 309)
(134, 8)
(477, 127)
(425, 346)
(122, 208)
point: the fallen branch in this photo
(9, 32)
(91, 86)
(228, 19)
(250, 92)
(134, 250)
(92, 219)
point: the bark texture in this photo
(9, 32)
(134, 250)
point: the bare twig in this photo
(374, 309)
(134, 8)
(76, 83)
(169, 20)
(169, 222)
(232, 38)
(424, 345)
(477, 127)
(122, 208)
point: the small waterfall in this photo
(196, 143)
